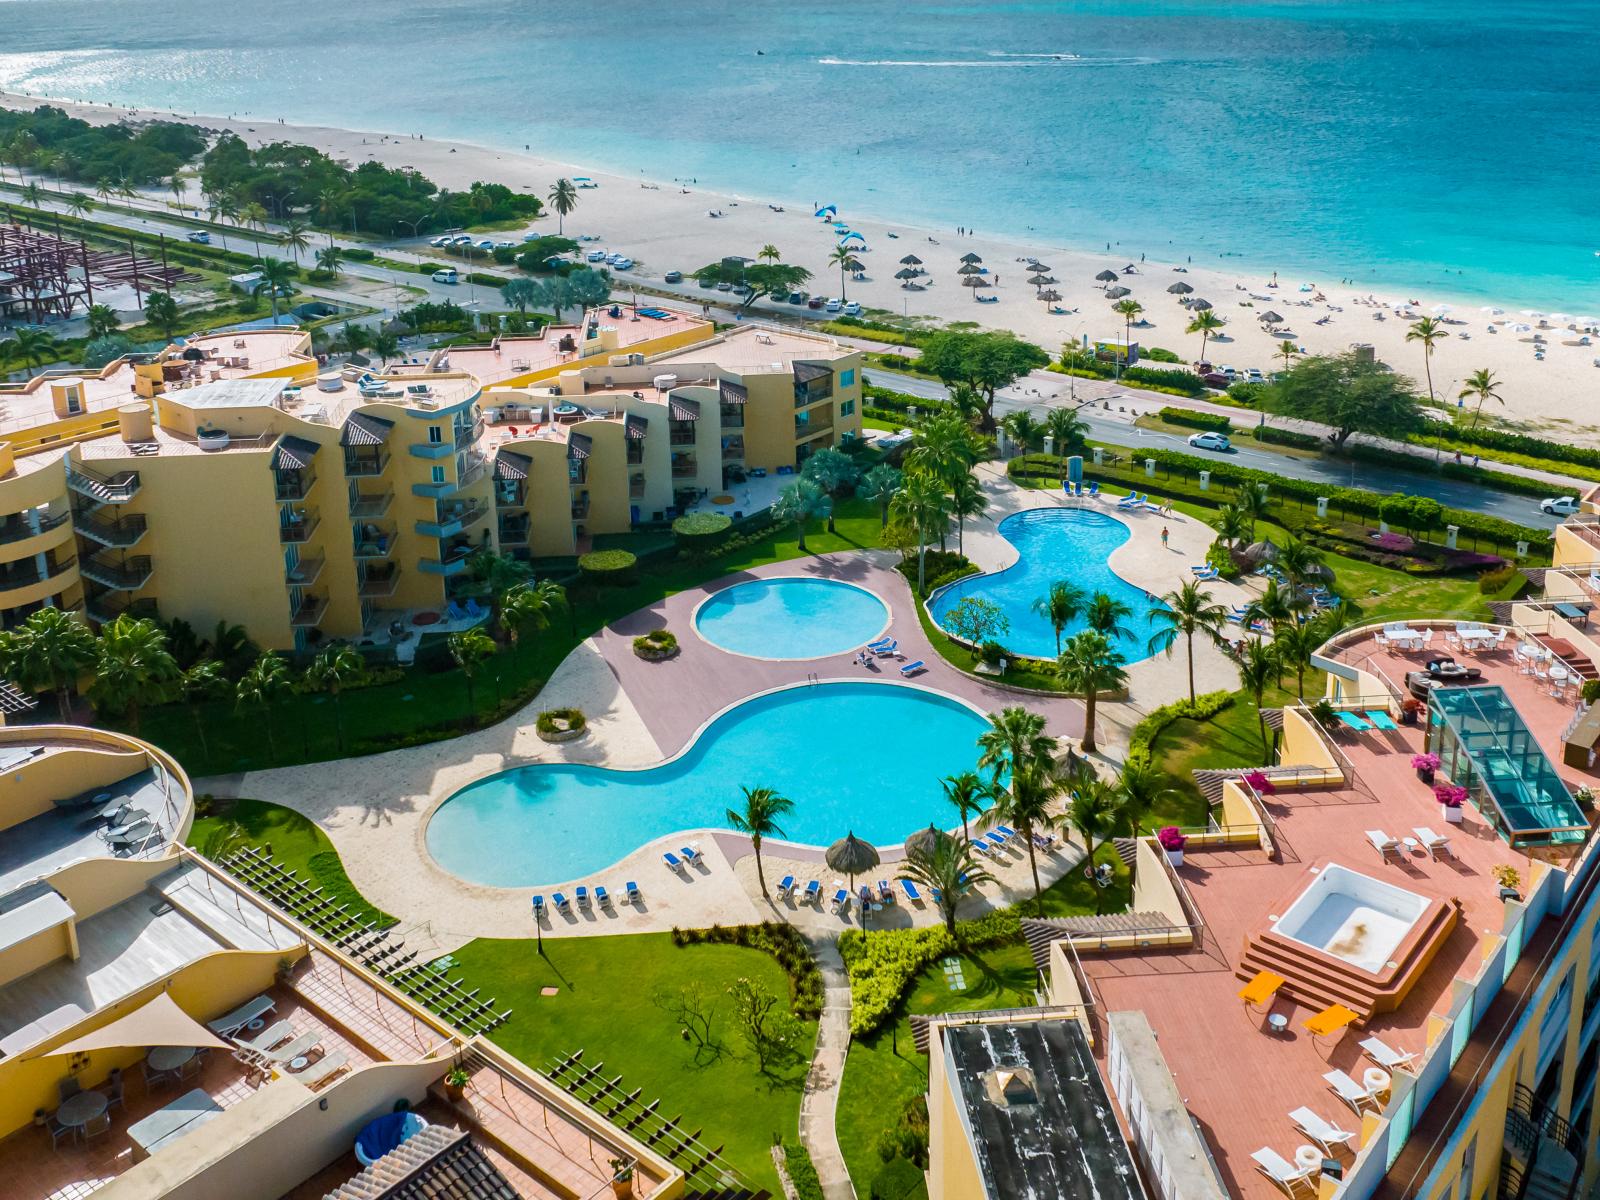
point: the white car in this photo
(596, 256)
(505, 245)
(1210, 441)
(1252, 375)
(852, 309)
(1560, 506)
(833, 306)
(623, 264)
(441, 240)
(1228, 371)
(461, 239)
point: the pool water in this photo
(862, 757)
(792, 618)
(1054, 543)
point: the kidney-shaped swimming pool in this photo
(862, 757)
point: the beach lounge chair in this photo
(887, 648)
(1348, 1090)
(252, 1010)
(1434, 843)
(913, 668)
(276, 1034)
(1094, 488)
(561, 902)
(582, 895)
(1261, 988)
(1385, 1055)
(1044, 841)
(841, 900)
(319, 1072)
(689, 854)
(1323, 1133)
(814, 891)
(287, 1053)
(1350, 721)
(538, 908)
(1331, 1020)
(785, 887)
(631, 893)
(979, 846)
(1204, 572)
(1006, 830)
(1293, 1180)
(881, 642)
(996, 838)
(672, 860)
(885, 892)
(911, 892)
(601, 896)
(1385, 845)
(128, 835)
(1382, 720)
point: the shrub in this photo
(1285, 437)
(1202, 708)
(881, 967)
(561, 720)
(608, 568)
(1249, 393)
(1166, 378)
(1160, 354)
(899, 1179)
(1196, 420)
(104, 350)
(939, 567)
(802, 1171)
(1591, 690)
(701, 533)
(658, 643)
(1496, 580)
(360, 254)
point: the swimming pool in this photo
(1053, 543)
(865, 757)
(791, 618)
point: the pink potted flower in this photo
(1425, 765)
(1260, 784)
(1450, 798)
(1172, 841)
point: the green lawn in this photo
(1232, 738)
(605, 1005)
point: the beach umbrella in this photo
(1492, 310)
(970, 257)
(1263, 551)
(1039, 280)
(1107, 277)
(1440, 309)
(1179, 289)
(1050, 296)
(854, 234)
(924, 841)
(851, 856)
(1198, 305)
(905, 275)
(969, 269)
(1117, 293)
(1035, 265)
(827, 210)
(911, 260)
(1270, 318)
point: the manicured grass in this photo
(605, 1005)
(1232, 738)
(294, 841)
(1021, 673)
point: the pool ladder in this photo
(811, 678)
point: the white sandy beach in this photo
(665, 225)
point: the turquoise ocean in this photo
(1446, 146)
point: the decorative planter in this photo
(1425, 774)
(656, 655)
(1175, 857)
(1450, 813)
(212, 439)
(556, 737)
(622, 1188)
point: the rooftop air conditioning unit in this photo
(665, 383)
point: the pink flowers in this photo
(1425, 762)
(1258, 782)
(1170, 837)
(1449, 795)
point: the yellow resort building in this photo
(233, 478)
(166, 1033)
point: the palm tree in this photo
(843, 259)
(161, 310)
(332, 671)
(1127, 309)
(759, 818)
(1258, 668)
(967, 499)
(1024, 429)
(330, 259)
(175, 186)
(798, 503)
(948, 870)
(51, 649)
(468, 648)
(1298, 560)
(1141, 784)
(79, 205)
(878, 486)
(1103, 614)
(276, 276)
(32, 347)
(225, 207)
(1288, 349)
(105, 188)
(102, 320)
(1277, 605)
(255, 216)
(1025, 805)
(386, 346)
(1205, 323)
(769, 253)
(1481, 384)
(922, 503)
(1187, 611)
(1060, 606)
(1253, 499)
(1066, 429)
(206, 680)
(1234, 525)
(945, 447)
(32, 193)
(1293, 646)
(133, 667)
(294, 237)
(494, 576)
(353, 338)
(261, 687)
(969, 795)
(1090, 665)
(563, 198)
(1093, 814)
(1428, 331)
(527, 606)
(1014, 742)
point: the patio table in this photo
(169, 1058)
(80, 1108)
(181, 1117)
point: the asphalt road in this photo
(1115, 426)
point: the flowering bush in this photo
(1450, 795)
(1260, 783)
(1425, 762)
(1170, 837)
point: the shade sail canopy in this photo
(158, 1022)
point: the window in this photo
(74, 401)
(438, 475)
(847, 408)
(847, 377)
(435, 434)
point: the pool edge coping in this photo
(694, 617)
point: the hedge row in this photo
(1196, 420)
(881, 967)
(784, 943)
(1285, 437)
(1519, 443)
(1201, 708)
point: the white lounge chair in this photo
(264, 1041)
(1348, 1090)
(1434, 843)
(1323, 1133)
(1385, 1055)
(1385, 845)
(1283, 1172)
(240, 1017)
(319, 1072)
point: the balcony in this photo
(366, 506)
(311, 610)
(467, 473)
(451, 519)
(365, 466)
(295, 484)
(129, 575)
(305, 572)
(733, 451)
(806, 429)
(18, 530)
(121, 533)
(733, 416)
(467, 435)
(449, 566)
(684, 467)
(108, 606)
(681, 437)
(300, 529)
(374, 542)
(380, 582)
(106, 489)
(514, 531)
(25, 574)
(431, 449)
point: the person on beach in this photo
(1163, 537)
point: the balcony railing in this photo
(375, 542)
(733, 452)
(365, 506)
(21, 531)
(305, 572)
(299, 530)
(107, 489)
(310, 612)
(451, 519)
(514, 533)
(364, 466)
(681, 437)
(379, 584)
(805, 429)
(25, 574)
(295, 485)
(468, 434)
(129, 575)
(122, 533)
(685, 470)
(108, 606)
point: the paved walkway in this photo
(820, 1103)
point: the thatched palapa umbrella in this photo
(1107, 277)
(974, 282)
(905, 275)
(1038, 279)
(1199, 305)
(1179, 289)
(911, 260)
(851, 856)
(1117, 293)
(924, 841)
(969, 269)
(970, 257)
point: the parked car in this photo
(1252, 375)
(673, 277)
(596, 256)
(613, 258)
(623, 264)
(1215, 379)
(834, 305)
(505, 245)
(797, 297)
(461, 239)
(443, 239)
(200, 236)
(815, 302)
(1210, 441)
(724, 286)
(1559, 506)
(485, 244)
(446, 275)
(1228, 371)
(852, 309)
(708, 283)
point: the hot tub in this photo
(1353, 917)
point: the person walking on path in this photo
(1163, 537)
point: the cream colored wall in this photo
(1570, 550)
(96, 884)
(1302, 746)
(29, 790)
(952, 1166)
(549, 498)
(657, 465)
(23, 958)
(607, 481)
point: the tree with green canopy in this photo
(1348, 393)
(984, 361)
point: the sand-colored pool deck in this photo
(375, 809)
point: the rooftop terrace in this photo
(511, 357)
(758, 349)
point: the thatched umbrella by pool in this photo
(911, 260)
(1179, 289)
(970, 257)
(924, 841)
(1262, 551)
(1117, 293)
(851, 856)
(1107, 277)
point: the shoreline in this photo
(663, 225)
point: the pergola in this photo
(45, 275)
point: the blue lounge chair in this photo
(1094, 488)
(538, 908)
(561, 902)
(841, 901)
(672, 861)
(814, 891)
(785, 887)
(1204, 572)
(1006, 829)
(689, 854)
(583, 896)
(886, 648)
(601, 896)
(938, 896)
(883, 641)
(1382, 720)
(1353, 722)
(455, 612)
(473, 609)
(979, 846)
(910, 889)
(864, 897)
(885, 892)
(996, 839)
(913, 668)
(630, 891)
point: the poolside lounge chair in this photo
(538, 908)
(1434, 843)
(996, 838)
(913, 668)
(841, 900)
(582, 895)
(887, 648)
(911, 892)
(1351, 721)
(864, 896)
(881, 642)
(1204, 572)
(1323, 1133)
(227, 1026)
(128, 835)
(561, 902)
(785, 887)
(1131, 500)
(1044, 841)
(813, 891)
(1331, 1020)
(689, 854)
(319, 1072)
(1382, 720)
(1283, 1172)
(1385, 845)
(1348, 1090)
(885, 892)
(1385, 1055)
(1094, 488)
(672, 860)
(1262, 988)
(601, 896)
(278, 1033)
(287, 1053)
(979, 846)
(631, 893)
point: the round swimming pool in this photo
(1054, 543)
(862, 757)
(791, 618)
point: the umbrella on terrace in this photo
(1117, 293)
(1179, 289)
(911, 260)
(1107, 277)
(970, 257)
(851, 856)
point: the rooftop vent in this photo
(1010, 1087)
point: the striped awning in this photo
(681, 408)
(363, 430)
(733, 393)
(634, 426)
(806, 372)
(293, 454)
(579, 445)
(14, 700)
(511, 466)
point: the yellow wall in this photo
(44, 948)
(549, 498)
(1302, 746)
(952, 1166)
(607, 479)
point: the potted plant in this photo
(1410, 710)
(1450, 798)
(1260, 784)
(1509, 880)
(1172, 841)
(1585, 797)
(1425, 765)
(622, 1177)
(455, 1082)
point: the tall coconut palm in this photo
(494, 577)
(32, 193)
(175, 185)
(276, 276)
(79, 205)
(1141, 785)
(51, 649)
(1026, 804)
(563, 198)
(1298, 560)
(1429, 331)
(1015, 741)
(1257, 665)
(1205, 323)
(133, 667)
(32, 347)
(798, 504)
(1105, 614)
(1066, 429)
(295, 237)
(205, 680)
(842, 257)
(335, 669)
(1277, 605)
(468, 648)
(1184, 612)
(330, 259)
(759, 819)
(969, 795)
(1234, 525)
(923, 504)
(1061, 605)
(1293, 646)
(1288, 350)
(386, 346)
(945, 447)
(255, 216)
(1127, 308)
(1024, 429)
(967, 499)
(948, 869)
(878, 486)
(1480, 384)
(1092, 812)
(105, 187)
(769, 253)
(1089, 665)
(260, 688)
